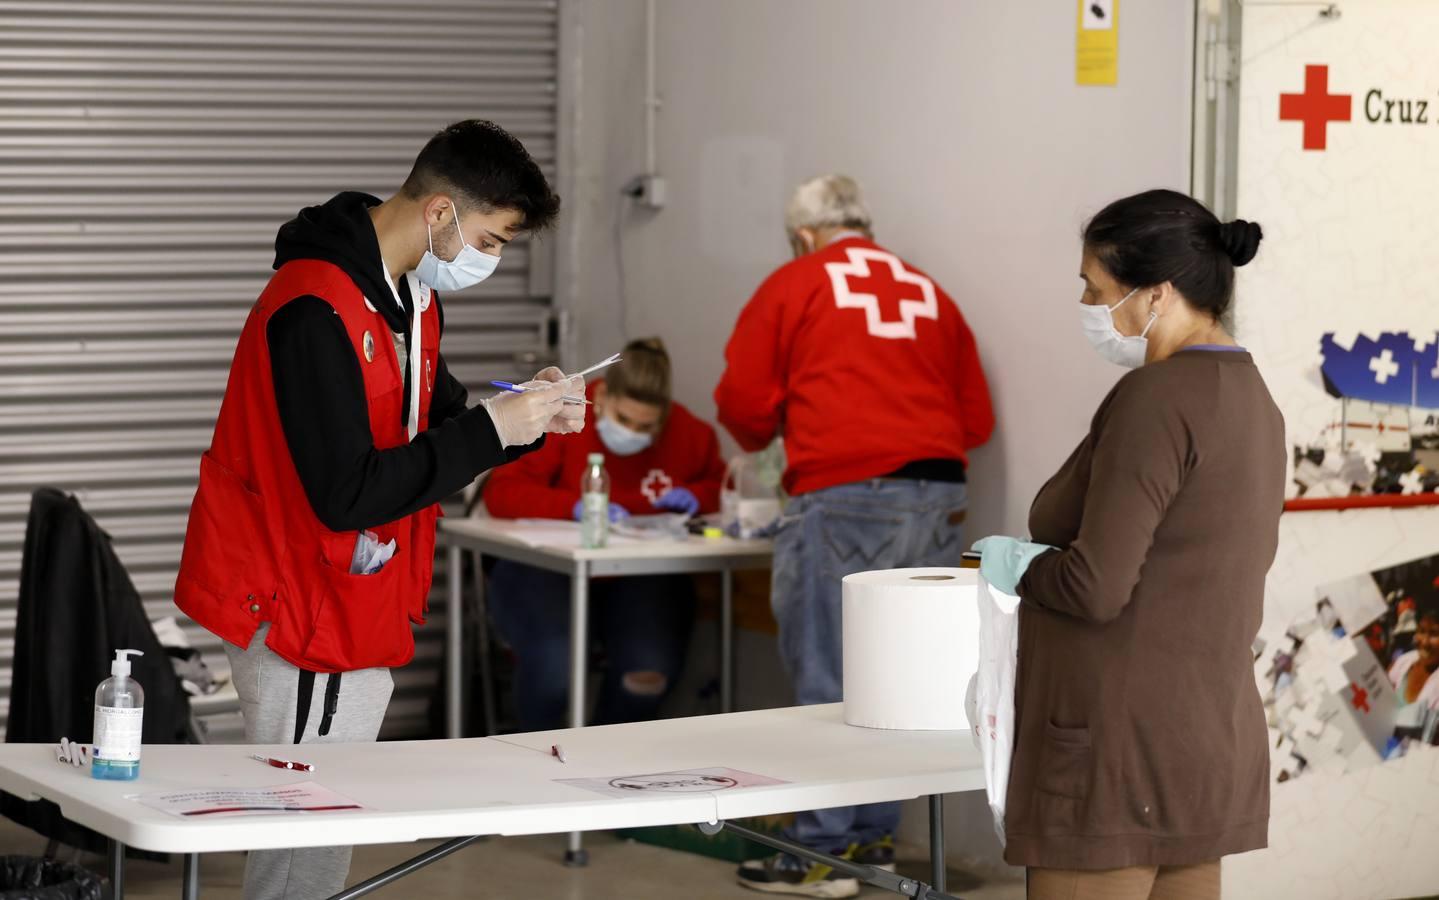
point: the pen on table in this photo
(284, 764)
(520, 389)
(558, 753)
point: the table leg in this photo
(117, 870)
(726, 641)
(936, 841)
(482, 632)
(191, 888)
(579, 666)
(454, 669)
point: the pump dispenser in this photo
(119, 714)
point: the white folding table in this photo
(466, 789)
(501, 538)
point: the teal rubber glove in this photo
(1004, 560)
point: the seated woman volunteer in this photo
(660, 458)
(1140, 750)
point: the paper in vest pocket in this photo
(992, 715)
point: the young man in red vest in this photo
(868, 370)
(311, 538)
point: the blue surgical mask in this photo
(622, 441)
(468, 268)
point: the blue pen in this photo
(520, 389)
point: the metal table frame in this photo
(889, 881)
(581, 566)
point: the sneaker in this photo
(879, 854)
(785, 874)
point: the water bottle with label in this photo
(595, 496)
(119, 716)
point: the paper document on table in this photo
(690, 781)
(551, 533)
(304, 798)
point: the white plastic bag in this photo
(992, 713)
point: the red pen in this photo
(558, 753)
(285, 764)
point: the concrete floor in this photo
(498, 869)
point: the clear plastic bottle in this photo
(595, 494)
(119, 713)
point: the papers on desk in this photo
(690, 781)
(305, 798)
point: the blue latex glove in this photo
(680, 500)
(1004, 560)
(617, 513)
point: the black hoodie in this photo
(320, 391)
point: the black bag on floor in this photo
(32, 878)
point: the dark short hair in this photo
(1160, 236)
(488, 169)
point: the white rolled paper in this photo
(911, 645)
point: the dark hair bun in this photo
(1240, 240)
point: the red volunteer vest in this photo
(255, 551)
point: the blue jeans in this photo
(643, 624)
(826, 535)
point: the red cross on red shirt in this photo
(888, 291)
(1316, 107)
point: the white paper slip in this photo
(305, 798)
(691, 781)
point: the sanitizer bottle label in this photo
(117, 733)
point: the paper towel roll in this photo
(911, 644)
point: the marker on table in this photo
(284, 764)
(558, 753)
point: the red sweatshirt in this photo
(545, 484)
(862, 359)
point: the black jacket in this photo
(320, 391)
(77, 607)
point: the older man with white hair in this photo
(867, 369)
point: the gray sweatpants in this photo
(269, 694)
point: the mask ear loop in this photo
(1153, 317)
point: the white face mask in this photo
(622, 441)
(1098, 325)
(468, 268)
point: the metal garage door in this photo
(148, 152)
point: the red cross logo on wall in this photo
(1360, 698)
(656, 484)
(1316, 107)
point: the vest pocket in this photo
(227, 543)
(361, 621)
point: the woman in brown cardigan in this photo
(1141, 751)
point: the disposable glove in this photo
(1004, 560)
(680, 500)
(520, 419)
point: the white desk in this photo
(505, 786)
(497, 538)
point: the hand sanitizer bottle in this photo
(119, 712)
